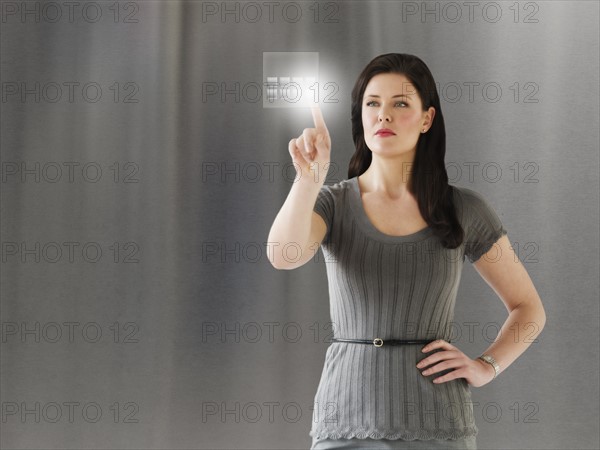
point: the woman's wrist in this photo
(489, 367)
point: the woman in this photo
(395, 236)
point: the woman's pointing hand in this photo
(311, 150)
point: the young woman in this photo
(395, 236)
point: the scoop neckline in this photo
(374, 232)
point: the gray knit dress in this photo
(393, 287)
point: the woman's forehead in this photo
(399, 83)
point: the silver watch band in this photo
(491, 361)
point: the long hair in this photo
(428, 181)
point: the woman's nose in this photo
(384, 115)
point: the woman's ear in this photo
(429, 115)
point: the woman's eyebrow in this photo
(394, 96)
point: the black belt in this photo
(378, 342)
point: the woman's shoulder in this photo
(472, 204)
(338, 187)
(468, 196)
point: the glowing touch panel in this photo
(290, 79)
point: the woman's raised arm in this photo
(297, 227)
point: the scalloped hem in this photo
(407, 435)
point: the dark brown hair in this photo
(428, 180)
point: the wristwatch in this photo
(490, 360)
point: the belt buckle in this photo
(378, 342)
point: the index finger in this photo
(432, 345)
(318, 118)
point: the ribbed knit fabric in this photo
(392, 287)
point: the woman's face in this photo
(391, 101)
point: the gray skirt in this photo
(467, 443)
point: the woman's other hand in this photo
(475, 371)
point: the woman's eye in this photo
(397, 103)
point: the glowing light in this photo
(290, 79)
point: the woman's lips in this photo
(384, 134)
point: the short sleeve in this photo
(483, 226)
(324, 206)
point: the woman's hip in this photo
(466, 443)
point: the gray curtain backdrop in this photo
(141, 175)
